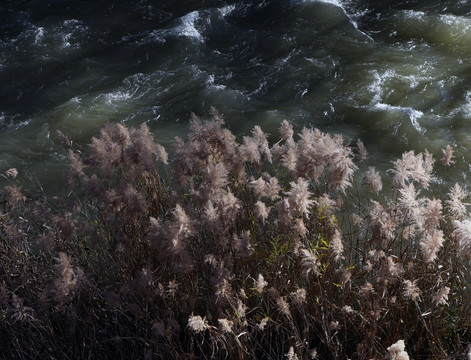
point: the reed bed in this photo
(232, 248)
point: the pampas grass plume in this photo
(397, 351)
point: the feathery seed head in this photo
(197, 324)
(448, 156)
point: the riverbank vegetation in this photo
(232, 248)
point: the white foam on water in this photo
(376, 87)
(418, 15)
(384, 83)
(381, 81)
(226, 10)
(379, 84)
(134, 87)
(20, 124)
(333, 2)
(117, 96)
(76, 100)
(187, 28)
(210, 83)
(72, 23)
(261, 87)
(38, 35)
(459, 26)
(69, 29)
(65, 40)
(210, 79)
(465, 109)
(412, 113)
(340, 4)
(11, 121)
(153, 36)
(337, 3)
(446, 29)
(134, 82)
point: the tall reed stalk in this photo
(231, 249)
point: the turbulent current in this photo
(396, 74)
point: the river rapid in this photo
(396, 74)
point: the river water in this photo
(396, 74)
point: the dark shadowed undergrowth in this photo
(230, 249)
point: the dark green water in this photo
(397, 74)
